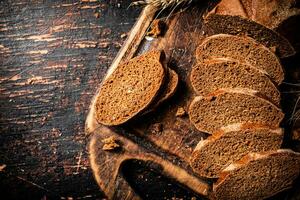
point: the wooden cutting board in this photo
(159, 144)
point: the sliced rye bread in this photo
(229, 73)
(258, 175)
(167, 90)
(244, 49)
(230, 106)
(170, 88)
(130, 89)
(237, 25)
(268, 13)
(230, 144)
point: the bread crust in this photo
(226, 106)
(236, 25)
(231, 143)
(277, 170)
(219, 73)
(169, 89)
(268, 13)
(245, 50)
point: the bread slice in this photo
(230, 144)
(229, 106)
(130, 89)
(167, 90)
(265, 12)
(228, 73)
(244, 49)
(237, 25)
(258, 175)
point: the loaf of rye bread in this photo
(258, 175)
(211, 75)
(237, 25)
(130, 89)
(167, 90)
(268, 13)
(230, 144)
(230, 106)
(241, 48)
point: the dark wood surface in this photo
(170, 147)
(53, 54)
(176, 138)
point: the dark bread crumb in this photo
(237, 25)
(156, 128)
(228, 73)
(166, 92)
(180, 112)
(129, 89)
(258, 175)
(224, 107)
(268, 13)
(296, 134)
(169, 88)
(243, 49)
(214, 154)
(110, 144)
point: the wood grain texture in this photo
(176, 139)
(107, 165)
(53, 54)
(161, 132)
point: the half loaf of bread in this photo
(265, 12)
(244, 49)
(228, 73)
(237, 25)
(130, 89)
(230, 144)
(230, 106)
(258, 175)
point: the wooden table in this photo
(53, 54)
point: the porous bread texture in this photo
(166, 92)
(229, 106)
(211, 75)
(258, 175)
(266, 12)
(244, 49)
(230, 144)
(237, 25)
(169, 89)
(129, 89)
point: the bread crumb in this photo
(156, 128)
(157, 28)
(110, 144)
(180, 112)
(296, 134)
(123, 35)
